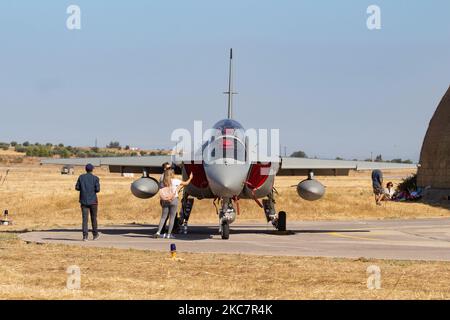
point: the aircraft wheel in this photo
(225, 230)
(281, 224)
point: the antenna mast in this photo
(230, 91)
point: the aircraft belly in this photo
(200, 193)
(199, 188)
(260, 192)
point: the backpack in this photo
(166, 194)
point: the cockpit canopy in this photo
(227, 141)
(229, 127)
(228, 124)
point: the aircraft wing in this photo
(152, 164)
(301, 166)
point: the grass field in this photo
(39, 198)
(31, 271)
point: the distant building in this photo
(434, 172)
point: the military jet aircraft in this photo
(226, 173)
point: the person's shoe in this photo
(85, 238)
(164, 235)
(171, 236)
(96, 237)
(156, 235)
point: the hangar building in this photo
(434, 171)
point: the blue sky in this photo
(139, 69)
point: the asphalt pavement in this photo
(418, 239)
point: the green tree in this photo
(38, 151)
(20, 148)
(114, 145)
(299, 154)
(4, 145)
(65, 153)
(80, 154)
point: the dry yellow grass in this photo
(39, 198)
(11, 152)
(31, 271)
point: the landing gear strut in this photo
(186, 208)
(277, 220)
(227, 215)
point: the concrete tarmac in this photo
(419, 239)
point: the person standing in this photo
(377, 185)
(89, 185)
(169, 200)
(165, 166)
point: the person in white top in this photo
(169, 208)
(390, 191)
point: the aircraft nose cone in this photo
(226, 180)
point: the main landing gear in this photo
(186, 209)
(277, 220)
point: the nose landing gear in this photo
(225, 230)
(227, 215)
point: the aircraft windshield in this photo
(222, 125)
(228, 147)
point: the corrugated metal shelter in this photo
(434, 170)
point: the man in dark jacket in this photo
(89, 186)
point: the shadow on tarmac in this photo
(196, 232)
